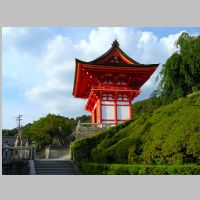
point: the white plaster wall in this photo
(122, 103)
(108, 112)
(108, 122)
(107, 102)
(122, 112)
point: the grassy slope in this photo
(167, 135)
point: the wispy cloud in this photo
(45, 61)
(58, 64)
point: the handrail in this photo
(97, 125)
(86, 129)
(91, 123)
(18, 147)
(18, 153)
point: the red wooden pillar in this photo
(95, 115)
(130, 110)
(92, 118)
(100, 110)
(115, 110)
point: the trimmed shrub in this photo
(122, 169)
(81, 149)
(170, 135)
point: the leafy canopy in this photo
(46, 129)
(181, 72)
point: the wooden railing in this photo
(94, 125)
(87, 129)
(19, 153)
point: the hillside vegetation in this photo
(167, 135)
(181, 72)
(44, 130)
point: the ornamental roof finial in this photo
(115, 43)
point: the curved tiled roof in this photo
(114, 59)
(115, 45)
(11, 140)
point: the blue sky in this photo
(38, 64)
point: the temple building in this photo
(110, 83)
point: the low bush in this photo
(81, 149)
(168, 135)
(127, 169)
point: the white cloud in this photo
(56, 62)
(68, 106)
(30, 41)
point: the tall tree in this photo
(181, 72)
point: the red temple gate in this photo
(110, 83)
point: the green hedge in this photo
(169, 135)
(127, 169)
(81, 149)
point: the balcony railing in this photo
(18, 153)
(87, 129)
(94, 125)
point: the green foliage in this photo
(159, 134)
(168, 135)
(47, 128)
(127, 169)
(44, 130)
(181, 72)
(7, 132)
(81, 149)
(118, 151)
(84, 119)
(146, 106)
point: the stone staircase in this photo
(55, 167)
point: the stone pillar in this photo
(33, 151)
(47, 153)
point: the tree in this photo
(190, 52)
(181, 73)
(7, 132)
(44, 130)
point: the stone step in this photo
(56, 173)
(55, 170)
(59, 171)
(53, 160)
(47, 163)
(50, 167)
(54, 164)
(55, 167)
(66, 162)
